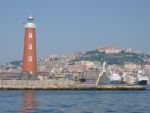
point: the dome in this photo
(30, 23)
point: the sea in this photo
(87, 101)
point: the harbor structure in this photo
(29, 66)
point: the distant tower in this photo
(29, 55)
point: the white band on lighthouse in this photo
(30, 23)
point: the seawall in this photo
(60, 85)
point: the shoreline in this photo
(61, 85)
(100, 87)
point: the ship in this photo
(142, 80)
(115, 78)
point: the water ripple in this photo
(74, 101)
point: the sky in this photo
(67, 26)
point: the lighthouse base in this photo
(28, 76)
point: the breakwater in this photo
(60, 85)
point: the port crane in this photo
(102, 73)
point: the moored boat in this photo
(142, 80)
(115, 78)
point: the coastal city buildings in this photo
(80, 67)
(65, 66)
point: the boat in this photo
(115, 78)
(142, 80)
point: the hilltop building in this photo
(109, 49)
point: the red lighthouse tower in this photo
(29, 56)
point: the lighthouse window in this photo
(30, 35)
(30, 58)
(30, 46)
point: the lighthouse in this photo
(29, 66)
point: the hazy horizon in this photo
(65, 26)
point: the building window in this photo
(30, 46)
(30, 35)
(30, 58)
(31, 72)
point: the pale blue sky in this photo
(66, 26)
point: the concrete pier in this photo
(60, 85)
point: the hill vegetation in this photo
(118, 58)
(16, 63)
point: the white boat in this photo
(142, 80)
(115, 78)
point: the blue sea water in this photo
(14, 101)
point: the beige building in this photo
(87, 63)
(147, 66)
(109, 49)
(131, 66)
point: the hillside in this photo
(16, 63)
(118, 58)
(115, 58)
